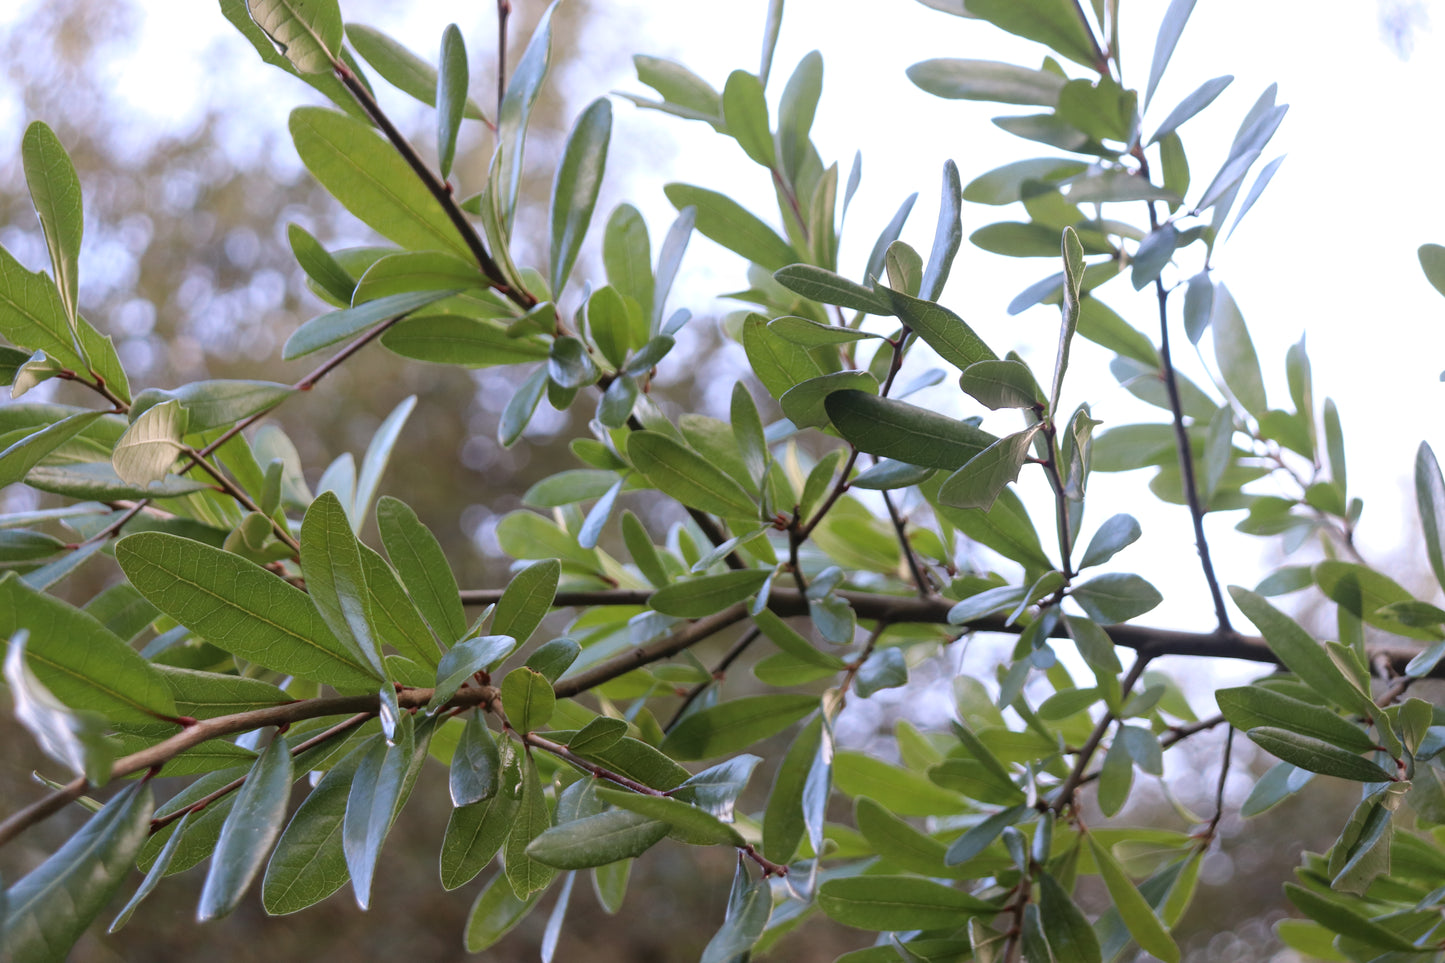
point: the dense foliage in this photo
(251, 636)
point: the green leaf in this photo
(1339, 917)
(84, 664)
(336, 580)
(526, 874)
(945, 332)
(48, 910)
(377, 792)
(20, 457)
(473, 342)
(898, 903)
(1146, 928)
(695, 598)
(1234, 352)
(1058, 24)
(1115, 535)
(597, 840)
(598, 735)
(750, 905)
(495, 912)
(474, 833)
(783, 823)
(1365, 593)
(987, 80)
(327, 329)
(307, 32)
(822, 285)
(1001, 384)
(74, 738)
(691, 825)
(1299, 652)
(680, 473)
(575, 187)
(902, 791)
(528, 698)
(476, 764)
(805, 404)
(1316, 755)
(526, 600)
(372, 181)
(1249, 707)
(1432, 262)
(451, 96)
(152, 878)
(148, 449)
(308, 863)
(745, 111)
(419, 560)
(978, 483)
(735, 725)
(1115, 597)
(1429, 498)
(895, 429)
(55, 191)
(729, 224)
(406, 272)
(239, 607)
(1070, 936)
(778, 362)
(811, 334)
(252, 826)
(400, 67)
(796, 108)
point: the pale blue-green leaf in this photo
(1430, 501)
(946, 237)
(669, 258)
(512, 117)
(1202, 97)
(987, 80)
(1116, 534)
(1116, 597)
(327, 329)
(978, 482)
(1432, 262)
(378, 454)
(1256, 189)
(1174, 20)
(945, 332)
(1235, 353)
(575, 188)
(747, 918)
(796, 109)
(822, 285)
(1057, 24)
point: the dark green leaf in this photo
(682, 474)
(252, 826)
(1430, 500)
(946, 237)
(898, 903)
(1249, 707)
(48, 910)
(945, 332)
(239, 607)
(822, 285)
(1298, 650)
(476, 764)
(1316, 755)
(691, 825)
(1432, 262)
(1144, 925)
(1070, 936)
(308, 864)
(526, 874)
(495, 912)
(597, 840)
(698, 597)
(528, 699)
(554, 658)
(336, 581)
(423, 568)
(1338, 917)
(474, 833)
(75, 738)
(1001, 384)
(978, 483)
(474, 342)
(894, 429)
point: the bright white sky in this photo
(1330, 247)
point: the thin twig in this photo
(718, 672)
(1065, 793)
(436, 187)
(920, 581)
(504, 10)
(1213, 825)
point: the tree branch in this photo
(1064, 796)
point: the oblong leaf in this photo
(695, 598)
(597, 840)
(731, 225)
(1316, 755)
(252, 826)
(737, 724)
(898, 903)
(575, 187)
(307, 32)
(908, 433)
(683, 474)
(239, 607)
